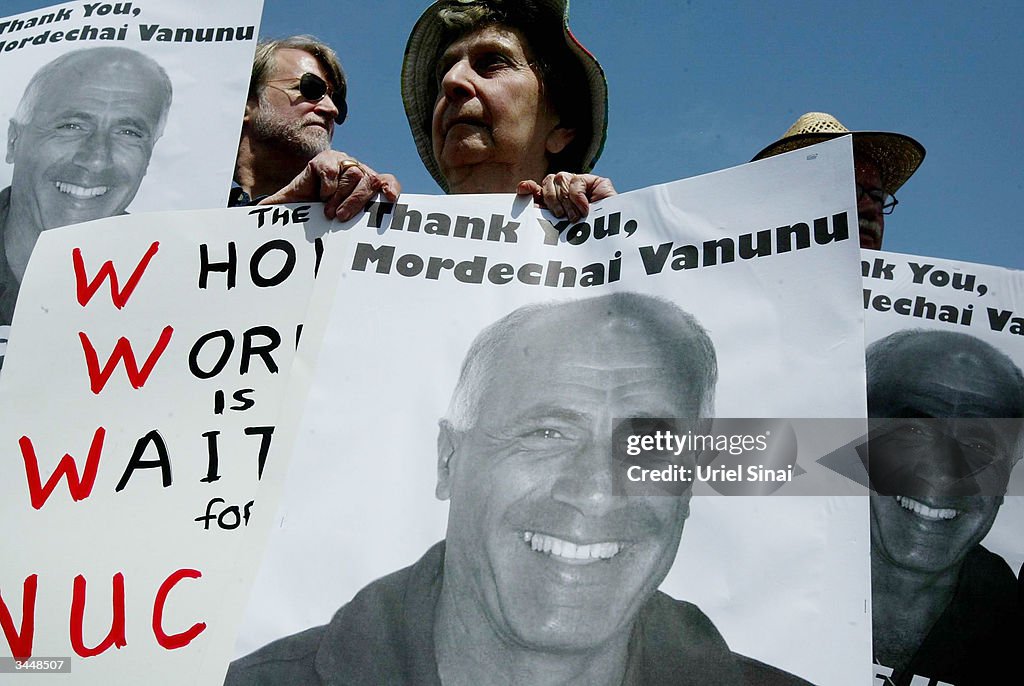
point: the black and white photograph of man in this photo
(80, 142)
(359, 500)
(943, 605)
(545, 576)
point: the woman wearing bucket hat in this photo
(502, 98)
(882, 161)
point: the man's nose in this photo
(585, 480)
(94, 152)
(326, 108)
(865, 202)
(942, 469)
(954, 474)
(870, 209)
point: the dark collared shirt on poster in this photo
(975, 640)
(385, 636)
(8, 282)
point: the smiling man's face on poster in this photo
(81, 150)
(552, 555)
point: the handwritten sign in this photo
(142, 401)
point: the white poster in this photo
(147, 390)
(753, 268)
(945, 391)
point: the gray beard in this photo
(292, 136)
(873, 227)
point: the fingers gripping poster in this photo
(116, 107)
(454, 464)
(945, 396)
(147, 392)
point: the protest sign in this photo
(762, 257)
(148, 390)
(944, 338)
(117, 107)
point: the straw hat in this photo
(897, 156)
(419, 88)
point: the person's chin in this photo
(559, 622)
(314, 141)
(466, 141)
(562, 592)
(319, 132)
(463, 157)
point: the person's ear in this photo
(558, 139)
(12, 140)
(447, 444)
(251, 105)
(684, 505)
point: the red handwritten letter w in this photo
(80, 488)
(86, 289)
(122, 351)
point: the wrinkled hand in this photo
(341, 182)
(568, 195)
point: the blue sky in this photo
(700, 86)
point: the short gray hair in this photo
(262, 64)
(662, 319)
(884, 357)
(105, 55)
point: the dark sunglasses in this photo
(314, 88)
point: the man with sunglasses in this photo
(882, 163)
(296, 97)
(946, 411)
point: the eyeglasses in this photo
(313, 88)
(888, 202)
